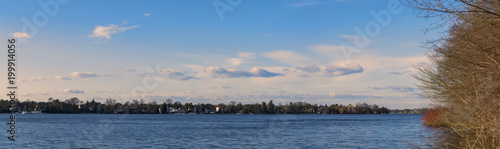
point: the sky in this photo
(217, 51)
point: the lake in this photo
(216, 131)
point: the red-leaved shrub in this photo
(435, 117)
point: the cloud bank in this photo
(174, 75)
(234, 73)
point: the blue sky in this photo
(248, 51)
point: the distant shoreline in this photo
(110, 106)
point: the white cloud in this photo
(242, 58)
(148, 14)
(372, 61)
(105, 31)
(61, 78)
(234, 73)
(394, 88)
(105, 91)
(72, 91)
(36, 93)
(21, 35)
(408, 70)
(199, 69)
(128, 69)
(86, 75)
(400, 72)
(344, 95)
(32, 79)
(175, 75)
(343, 69)
(291, 58)
(290, 96)
(309, 69)
(83, 75)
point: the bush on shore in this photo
(435, 117)
(464, 73)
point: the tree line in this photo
(109, 106)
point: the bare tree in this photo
(110, 102)
(465, 71)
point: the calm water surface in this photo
(215, 131)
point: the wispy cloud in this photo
(105, 91)
(61, 78)
(86, 75)
(147, 14)
(335, 52)
(32, 79)
(234, 73)
(83, 75)
(35, 94)
(101, 32)
(170, 74)
(21, 35)
(309, 69)
(175, 75)
(342, 95)
(128, 69)
(72, 91)
(242, 58)
(400, 73)
(223, 87)
(394, 88)
(287, 96)
(291, 58)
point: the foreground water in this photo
(216, 131)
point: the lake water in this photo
(215, 131)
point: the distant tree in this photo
(271, 107)
(164, 108)
(177, 105)
(110, 105)
(239, 107)
(75, 101)
(255, 108)
(263, 108)
(169, 102)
